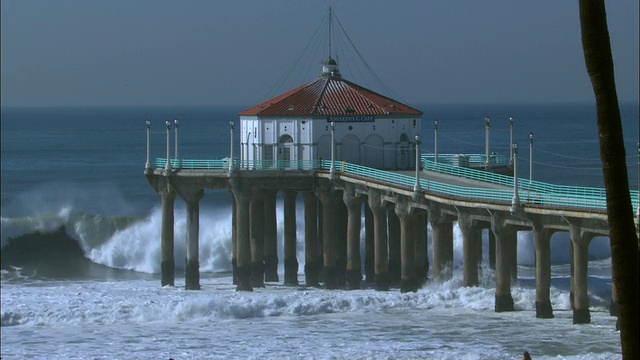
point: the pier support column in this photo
(394, 247)
(442, 227)
(330, 201)
(580, 244)
(369, 252)
(312, 265)
(492, 249)
(290, 242)
(353, 204)
(341, 245)
(192, 270)
(270, 237)
(504, 234)
(234, 241)
(319, 242)
(168, 265)
(542, 244)
(471, 236)
(420, 231)
(381, 254)
(408, 281)
(242, 198)
(257, 238)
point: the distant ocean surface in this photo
(81, 250)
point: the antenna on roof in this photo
(329, 32)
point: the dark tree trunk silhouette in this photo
(622, 232)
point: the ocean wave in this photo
(118, 242)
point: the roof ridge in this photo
(314, 111)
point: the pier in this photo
(397, 206)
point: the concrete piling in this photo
(243, 257)
(312, 266)
(353, 204)
(168, 264)
(257, 218)
(442, 228)
(369, 252)
(192, 270)
(270, 237)
(290, 242)
(503, 234)
(394, 247)
(408, 281)
(420, 231)
(329, 199)
(381, 254)
(580, 244)
(542, 244)
(471, 236)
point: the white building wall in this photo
(305, 133)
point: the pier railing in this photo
(530, 192)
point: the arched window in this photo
(286, 139)
(404, 138)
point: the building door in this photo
(285, 146)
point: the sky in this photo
(159, 52)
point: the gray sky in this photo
(158, 52)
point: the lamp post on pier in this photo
(515, 202)
(511, 119)
(147, 165)
(416, 187)
(167, 168)
(531, 156)
(487, 127)
(435, 144)
(231, 165)
(332, 170)
(176, 122)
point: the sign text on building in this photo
(365, 118)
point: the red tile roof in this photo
(328, 95)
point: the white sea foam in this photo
(439, 321)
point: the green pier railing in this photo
(529, 192)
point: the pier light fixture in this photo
(416, 187)
(332, 170)
(176, 122)
(511, 120)
(231, 165)
(147, 165)
(515, 202)
(435, 143)
(167, 168)
(531, 156)
(487, 127)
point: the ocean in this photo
(81, 250)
